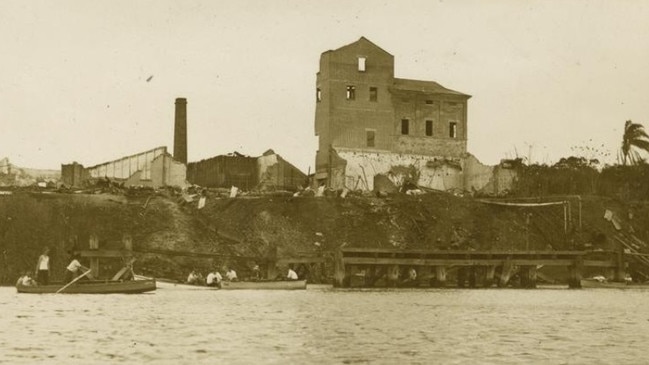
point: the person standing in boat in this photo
(43, 267)
(291, 275)
(72, 270)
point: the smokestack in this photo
(180, 131)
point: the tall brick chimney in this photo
(180, 131)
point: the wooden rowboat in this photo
(264, 285)
(594, 283)
(93, 287)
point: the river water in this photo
(328, 326)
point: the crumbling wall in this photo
(224, 172)
(166, 171)
(74, 174)
(123, 168)
(275, 173)
(434, 172)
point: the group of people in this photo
(213, 278)
(42, 270)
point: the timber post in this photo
(93, 244)
(393, 275)
(620, 269)
(461, 277)
(472, 276)
(339, 270)
(575, 272)
(507, 270)
(489, 276)
(440, 277)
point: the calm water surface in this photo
(496, 326)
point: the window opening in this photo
(429, 128)
(374, 93)
(405, 126)
(351, 92)
(452, 129)
(370, 135)
(318, 94)
(361, 64)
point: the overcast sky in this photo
(559, 76)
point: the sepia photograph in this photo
(324, 182)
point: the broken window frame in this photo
(452, 129)
(370, 137)
(405, 126)
(429, 128)
(351, 92)
(374, 94)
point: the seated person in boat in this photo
(72, 271)
(26, 280)
(256, 274)
(194, 278)
(291, 275)
(231, 275)
(214, 278)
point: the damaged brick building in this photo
(370, 123)
(157, 168)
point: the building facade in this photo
(370, 123)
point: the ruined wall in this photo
(275, 173)
(434, 172)
(166, 171)
(123, 168)
(224, 172)
(479, 177)
(74, 174)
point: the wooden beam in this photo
(449, 262)
(104, 253)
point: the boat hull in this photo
(591, 283)
(93, 287)
(264, 285)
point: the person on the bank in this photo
(231, 275)
(43, 267)
(291, 275)
(72, 271)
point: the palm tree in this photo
(634, 136)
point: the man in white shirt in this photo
(214, 278)
(73, 269)
(231, 275)
(291, 274)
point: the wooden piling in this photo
(339, 270)
(440, 277)
(490, 273)
(461, 277)
(507, 271)
(472, 273)
(393, 276)
(574, 272)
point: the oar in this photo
(73, 281)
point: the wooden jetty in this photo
(468, 268)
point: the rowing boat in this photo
(93, 287)
(264, 285)
(595, 283)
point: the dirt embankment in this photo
(240, 230)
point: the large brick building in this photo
(369, 122)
